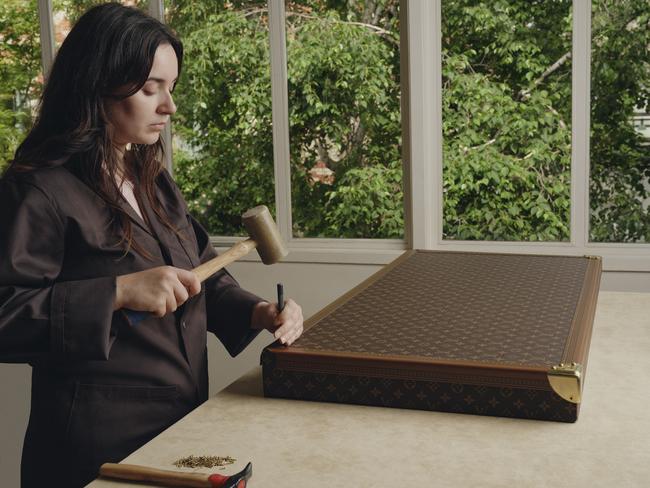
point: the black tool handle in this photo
(280, 297)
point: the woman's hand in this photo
(158, 290)
(286, 326)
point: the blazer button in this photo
(183, 325)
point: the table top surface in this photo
(298, 443)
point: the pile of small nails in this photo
(193, 461)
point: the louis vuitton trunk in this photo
(481, 333)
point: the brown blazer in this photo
(101, 387)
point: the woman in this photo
(91, 224)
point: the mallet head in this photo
(262, 229)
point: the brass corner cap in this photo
(566, 381)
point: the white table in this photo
(309, 444)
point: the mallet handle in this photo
(162, 476)
(207, 269)
(204, 271)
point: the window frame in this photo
(421, 112)
(424, 16)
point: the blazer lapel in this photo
(135, 218)
(157, 229)
(124, 205)
(167, 239)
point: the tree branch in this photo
(556, 113)
(480, 146)
(523, 94)
(253, 11)
(377, 30)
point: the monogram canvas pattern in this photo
(413, 394)
(510, 309)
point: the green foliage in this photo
(20, 66)
(620, 159)
(224, 120)
(367, 202)
(20, 84)
(506, 127)
(74, 9)
(342, 112)
(506, 114)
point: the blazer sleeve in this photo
(229, 307)
(40, 316)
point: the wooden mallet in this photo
(176, 478)
(264, 236)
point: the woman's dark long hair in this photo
(110, 50)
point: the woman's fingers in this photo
(184, 284)
(189, 280)
(181, 293)
(289, 323)
(286, 326)
(292, 312)
(171, 306)
(158, 290)
(292, 335)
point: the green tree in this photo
(20, 78)
(343, 113)
(620, 158)
(224, 144)
(506, 120)
(506, 114)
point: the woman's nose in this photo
(168, 106)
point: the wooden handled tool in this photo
(264, 236)
(176, 478)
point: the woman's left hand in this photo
(286, 326)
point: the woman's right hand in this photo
(158, 290)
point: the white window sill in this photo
(616, 257)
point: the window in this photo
(506, 120)
(21, 78)
(620, 122)
(66, 12)
(343, 71)
(513, 141)
(223, 141)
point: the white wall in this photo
(15, 381)
(311, 285)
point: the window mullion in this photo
(157, 11)
(47, 35)
(581, 73)
(280, 115)
(424, 163)
(435, 34)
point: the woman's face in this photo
(140, 118)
